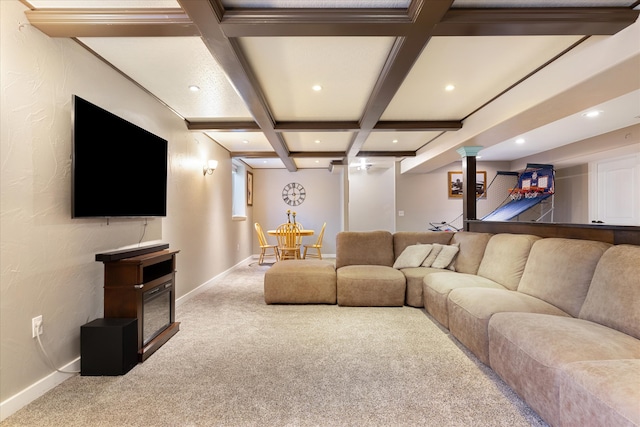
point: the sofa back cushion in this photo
(613, 299)
(472, 247)
(364, 248)
(402, 239)
(505, 257)
(559, 271)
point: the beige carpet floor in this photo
(239, 362)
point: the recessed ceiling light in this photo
(592, 114)
(395, 141)
(317, 141)
(449, 88)
(194, 88)
(520, 141)
(245, 141)
(317, 88)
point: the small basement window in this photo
(238, 193)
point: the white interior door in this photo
(615, 191)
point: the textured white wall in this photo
(47, 259)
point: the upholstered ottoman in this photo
(370, 286)
(300, 282)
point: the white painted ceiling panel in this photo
(167, 66)
(478, 67)
(241, 141)
(288, 67)
(542, 3)
(615, 114)
(362, 164)
(317, 141)
(105, 4)
(267, 163)
(348, 4)
(313, 163)
(397, 141)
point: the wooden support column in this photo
(468, 155)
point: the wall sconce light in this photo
(209, 167)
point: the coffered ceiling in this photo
(301, 84)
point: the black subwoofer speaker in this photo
(108, 347)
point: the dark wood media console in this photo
(142, 286)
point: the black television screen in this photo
(118, 168)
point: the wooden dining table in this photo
(302, 232)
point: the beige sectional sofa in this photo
(557, 319)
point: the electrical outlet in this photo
(36, 326)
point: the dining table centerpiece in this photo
(289, 214)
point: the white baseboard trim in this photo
(34, 391)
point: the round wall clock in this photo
(293, 194)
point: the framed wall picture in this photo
(249, 188)
(455, 179)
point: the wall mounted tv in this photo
(118, 168)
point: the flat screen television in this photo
(118, 168)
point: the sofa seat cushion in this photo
(600, 392)
(529, 350)
(370, 285)
(436, 288)
(471, 308)
(414, 278)
(300, 282)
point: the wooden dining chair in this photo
(265, 246)
(317, 246)
(288, 235)
(299, 241)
